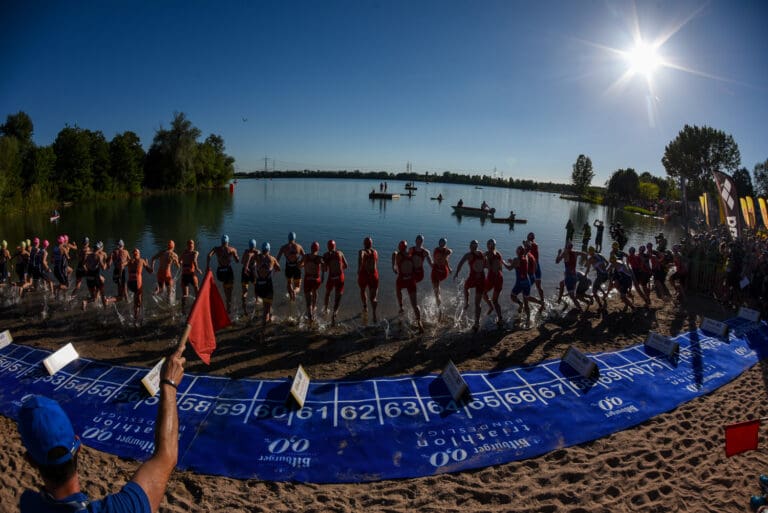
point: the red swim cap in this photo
(331, 245)
(402, 246)
(315, 246)
(171, 244)
(367, 243)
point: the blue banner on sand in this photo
(353, 431)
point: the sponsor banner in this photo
(387, 428)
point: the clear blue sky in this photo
(524, 87)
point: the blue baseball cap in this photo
(44, 426)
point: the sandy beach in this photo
(674, 462)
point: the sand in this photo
(674, 462)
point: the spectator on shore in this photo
(53, 450)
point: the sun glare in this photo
(643, 59)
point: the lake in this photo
(339, 209)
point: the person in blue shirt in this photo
(53, 449)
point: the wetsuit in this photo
(32, 270)
(601, 272)
(534, 251)
(292, 269)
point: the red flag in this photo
(741, 437)
(208, 315)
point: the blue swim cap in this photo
(265, 247)
(252, 244)
(225, 239)
(419, 237)
(291, 236)
(442, 242)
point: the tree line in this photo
(82, 163)
(689, 161)
(445, 177)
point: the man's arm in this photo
(461, 262)
(152, 476)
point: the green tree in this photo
(761, 178)
(743, 182)
(74, 163)
(20, 126)
(41, 179)
(10, 167)
(127, 159)
(582, 174)
(623, 184)
(696, 153)
(171, 159)
(214, 167)
(101, 168)
(648, 191)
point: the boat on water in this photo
(437, 198)
(509, 220)
(473, 211)
(382, 195)
(409, 186)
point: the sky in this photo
(520, 87)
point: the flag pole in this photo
(183, 342)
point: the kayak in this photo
(508, 220)
(437, 199)
(382, 195)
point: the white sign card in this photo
(60, 359)
(662, 344)
(5, 339)
(744, 313)
(713, 326)
(453, 380)
(580, 362)
(152, 380)
(300, 386)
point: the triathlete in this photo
(167, 258)
(189, 271)
(419, 255)
(368, 276)
(635, 262)
(82, 255)
(334, 263)
(441, 269)
(402, 266)
(523, 266)
(569, 257)
(224, 273)
(136, 266)
(533, 249)
(598, 262)
(494, 281)
(475, 279)
(95, 262)
(248, 273)
(313, 268)
(266, 264)
(118, 259)
(293, 253)
(5, 259)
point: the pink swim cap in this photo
(66, 237)
(36, 241)
(60, 239)
(46, 243)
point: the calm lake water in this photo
(322, 209)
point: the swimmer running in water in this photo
(167, 258)
(441, 269)
(293, 253)
(225, 254)
(402, 265)
(266, 265)
(368, 276)
(248, 274)
(118, 259)
(334, 263)
(475, 280)
(135, 283)
(313, 266)
(189, 271)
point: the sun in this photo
(643, 59)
